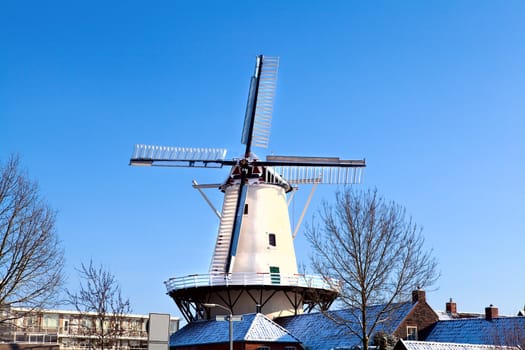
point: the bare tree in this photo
(31, 258)
(99, 300)
(374, 252)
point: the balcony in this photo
(251, 279)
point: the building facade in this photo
(72, 330)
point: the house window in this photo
(263, 348)
(411, 333)
(272, 240)
(135, 325)
(174, 326)
(50, 321)
(86, 323)
(31, 321)
(290, 348)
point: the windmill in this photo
(253, 267)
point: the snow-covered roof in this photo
(444, 315)
(478, 330)
(428, 345)
(317, 331)
(252, 328)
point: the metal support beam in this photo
(198, 187)
(314, 187)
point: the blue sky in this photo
(430, 93)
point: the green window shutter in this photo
(275, 275)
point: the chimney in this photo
(418, 296)
(451, 307)
(491, 312)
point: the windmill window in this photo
(275, 275)
(411, 333)
(245, 209)
(272, 241)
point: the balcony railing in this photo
(251, 279)
(75, 332)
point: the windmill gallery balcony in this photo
(245, 292)
(251, 279)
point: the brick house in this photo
(419, 321)
(414, 322)
(408, 320)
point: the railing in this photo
(76, 332)
(251, 279)
(91, 347)
(51, 338)
(122, 334)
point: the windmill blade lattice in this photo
(178, 156)
(258, 118)
(309, 170)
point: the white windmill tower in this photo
(253, 267)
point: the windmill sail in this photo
(236, 229)
(256, 132)
(258, 118)
(220, 258)
(308, 170)
(150, 155)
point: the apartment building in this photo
(72, 330)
